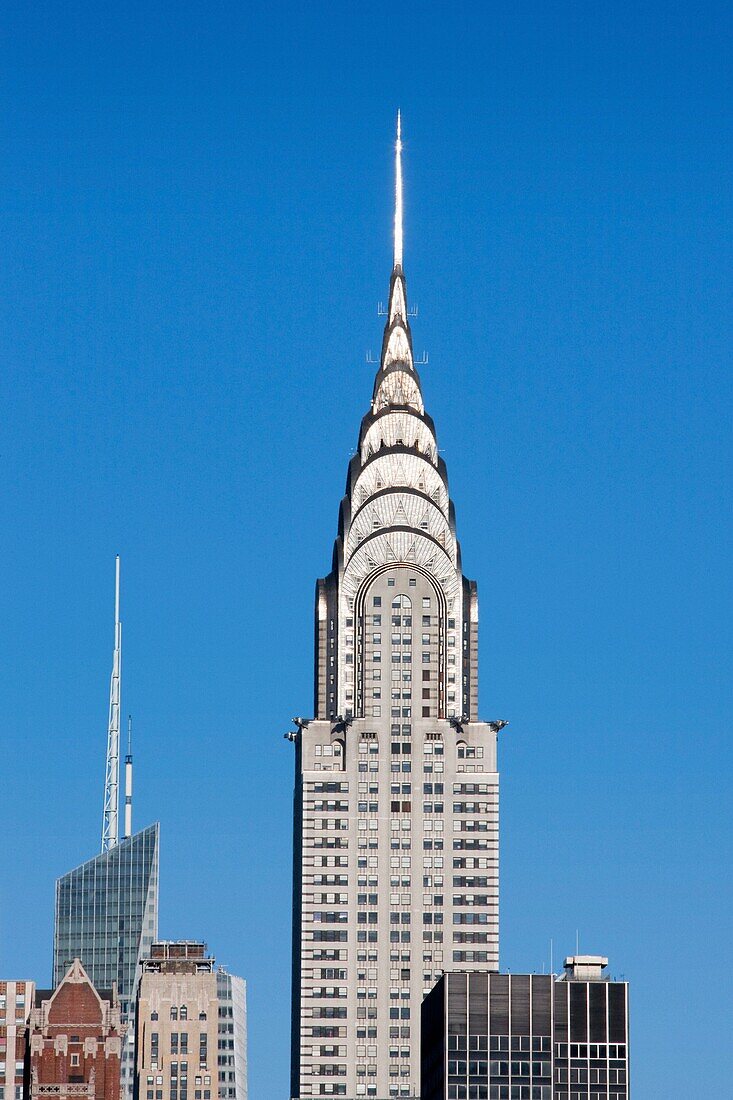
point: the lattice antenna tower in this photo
(110, 816)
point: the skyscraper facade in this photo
(396, 783)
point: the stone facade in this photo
(191, 1027)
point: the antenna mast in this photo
(110, 825)
(128, 781)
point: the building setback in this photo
(75, 1041)
(396, 783)
(191, 1027)
(16, 1002)
(521, 1036)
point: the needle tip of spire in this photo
(398, 194)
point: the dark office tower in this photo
(396, 784)
(107, 908)
(527, 1036)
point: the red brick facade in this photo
(75, 1040)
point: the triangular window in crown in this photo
(398, 305)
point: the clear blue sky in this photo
(195, 225)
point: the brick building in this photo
(16, 1000)
(75, 1041)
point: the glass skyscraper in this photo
(107, 915)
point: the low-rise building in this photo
(527, 1036)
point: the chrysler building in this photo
(396, 783)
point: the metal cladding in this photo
(397, 509)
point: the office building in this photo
(75, 1040)
(16, 1002)
(527, 1036)
(107, 915)
(191, 1041)
(396, 783)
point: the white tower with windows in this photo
(396, 784)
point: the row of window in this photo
(501, 1092)
(590, 1050)
(599, 1076)
(538, 1044)
(499, 1068)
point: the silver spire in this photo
(398, 195)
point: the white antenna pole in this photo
(398, 195)
(110, 827)
(128, 780)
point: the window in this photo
(377, 601)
